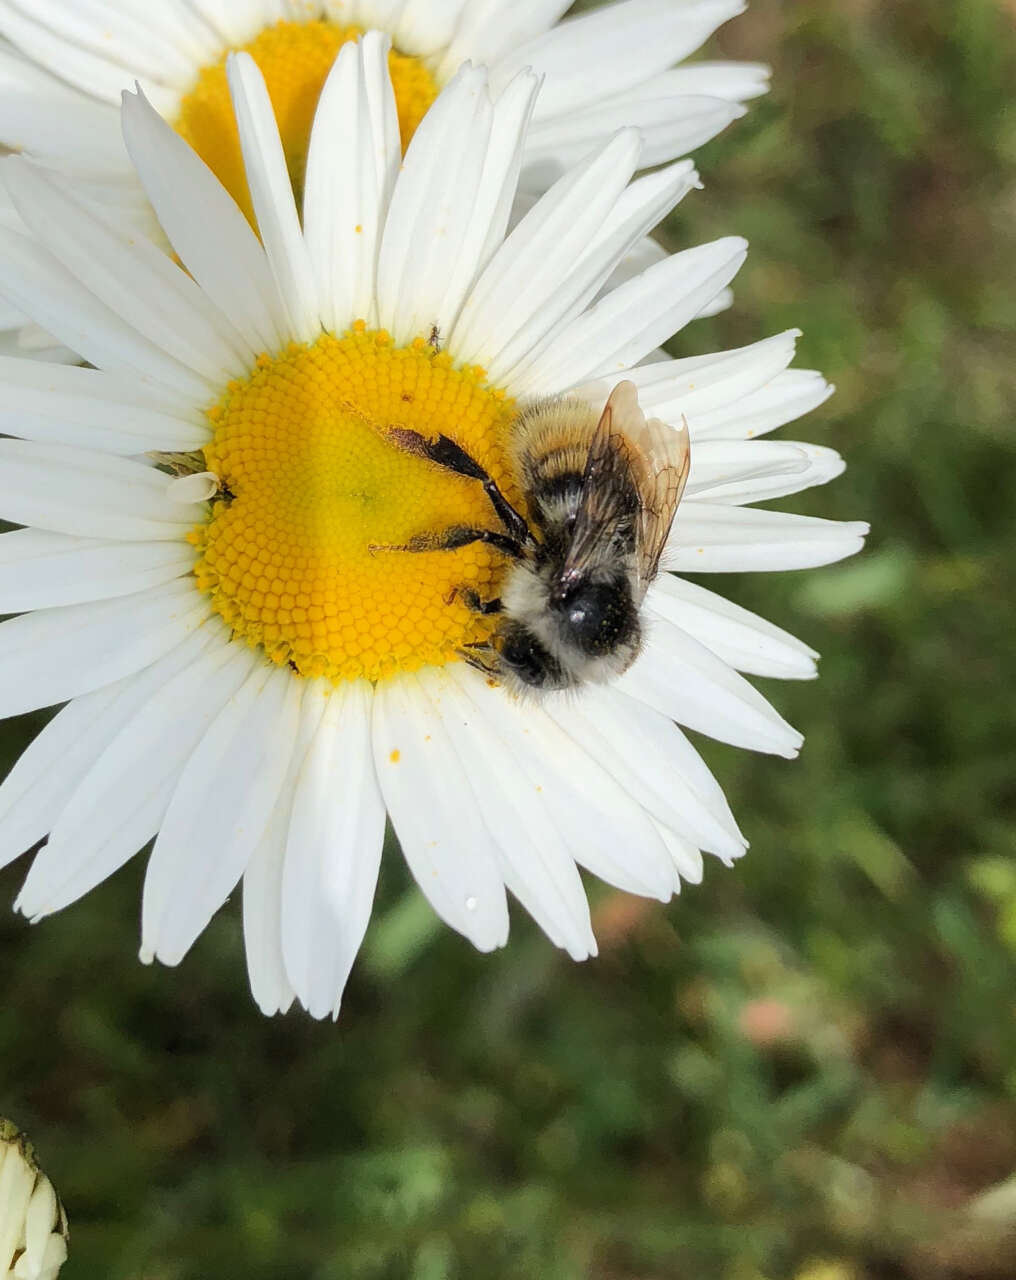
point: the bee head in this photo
(598, 618)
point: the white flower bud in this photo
(33, 1226)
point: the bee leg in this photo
(458, 535)
(446, 453)
(472, 601)
(482, 657)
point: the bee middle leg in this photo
(446, 453)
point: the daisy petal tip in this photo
(371, 40)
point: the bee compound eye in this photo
(526, 658)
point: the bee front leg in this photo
(446, 453)
(451, 539)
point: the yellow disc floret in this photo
(297, 553)
(295, 59)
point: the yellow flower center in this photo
(311, 486)
(295, 59)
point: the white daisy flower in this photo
(67, 61)
(33, 1225)
(249, 680)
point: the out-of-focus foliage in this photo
(805, 1069)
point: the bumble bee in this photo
(601, 491)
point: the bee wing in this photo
(635, 474)
(667, 454)
(608, 505)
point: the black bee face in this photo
(525, 658)
(598, 618)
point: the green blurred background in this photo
(804, 1069)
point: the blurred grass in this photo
(804, 1068)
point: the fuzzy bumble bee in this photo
(601, 490)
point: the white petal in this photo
(178, 21)
(743, 640)
(490, 28)
(272, 197)
(639, 208)
(383, 14)
(198, 486)
(697, 385)
(17, 1180)
(735, 81)
(670, 126)
(709, 538)
(722, 469)
(687, 859)
(644, 254)
(36, 282)
(424, 27)
(262, 881)
(433, 809)
(262, 926)
(652, 760)
(238, 21)
(37, 789)
(39, 570)
(40, 1220)
(97, 76)
(115, 35)
(650, 198)
(92, 410)
(786, 397)
(122, 798)
(723, 301)
(500, 322)
(614, 47)
(93, 495)
(211, 236)
(769, 473)
(352, 165)
(533, 857)
(624, 326)
(451, 203)
(54, 654)
(600, 825)
(136, 280)
(46, 118)
(219, 812)
(677, 675)
(333, 853)
(431, 204)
